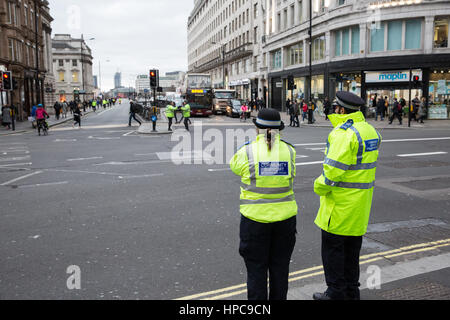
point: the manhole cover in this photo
(419, 291)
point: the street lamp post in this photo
(82, 65)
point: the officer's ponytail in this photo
(270, 136)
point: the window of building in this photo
(340, 2)
(61, 76)
(11, 49)
(355, 40)
(377, 38)
(74, 76)
(276, 59)
(413, 34)
(394, 35)
(74, 63)
(318, 48)
(295, 54)
(61, 63)
(345, 42)
(441, 32)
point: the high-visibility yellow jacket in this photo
(170, 111)
(347, 183)
(186, 110)
(267, 179)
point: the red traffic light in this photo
(152, 74)
(5, 76)
(416, 78)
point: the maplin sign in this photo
(391, 76)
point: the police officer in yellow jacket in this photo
(170, 114)
(268, 207)
(346, 190)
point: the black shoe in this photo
(321, 296)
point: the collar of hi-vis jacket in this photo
(339, 119)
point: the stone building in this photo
(25, 50)
(72, 66)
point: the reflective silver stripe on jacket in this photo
(252, 168)
(353, 167)
(359, 156)
(267, 201)
(349, 185)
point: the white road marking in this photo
(302, 156)
(16, 164)
(421, 154)
(128, 133)
(417, 139)
(308, 163)
(20, 178)
(101, 138)
(141, 176)
(14, 151)
(65, 140)
(43, 184)
(310, 144)
(83, 159)
(315, 149)
(14, 159)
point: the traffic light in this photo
(416, 80)
(7, 80)
(154, 78)
(291, 83)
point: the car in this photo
(234, 110)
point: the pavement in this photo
(111, 201)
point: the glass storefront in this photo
(349, 82)
(439, 90)
(299, 91)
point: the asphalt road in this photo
(138, 226)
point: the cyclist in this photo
(244, 110)
(41, 115)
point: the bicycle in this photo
(42, 125)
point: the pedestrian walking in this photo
(267, 206)
(346, 190)
(77, 116)
(380, 109)
(65, 106)
(296, 108)
(415, 109)
(397, 111)
(291, 115)
(304, 111)
(326, 107)
(132, 113)
(186, 109)
(422, 110)
(6, 116)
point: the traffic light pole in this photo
(410, 108)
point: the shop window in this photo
(441, 32)
(377, 38)
(394, 35)
(413, 34)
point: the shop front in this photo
(242, 88)
(388, 85)
(439, 94)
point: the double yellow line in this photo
(318, 270)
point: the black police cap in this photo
(269, 119)
(348, 100)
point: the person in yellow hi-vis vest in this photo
(186, 109)
(268, 208)
(346, 190)
(170, 114)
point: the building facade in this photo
(368, 47)
(225, 40)
(117, 80)
(25, 49)
(72, 66)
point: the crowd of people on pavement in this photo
(384, 109)
(299, 106)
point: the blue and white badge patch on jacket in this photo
(372, 145)
(273, 169)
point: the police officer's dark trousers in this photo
(340, 257)
(267, 248)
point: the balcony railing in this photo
(232, 55)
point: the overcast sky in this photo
(134, 35)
